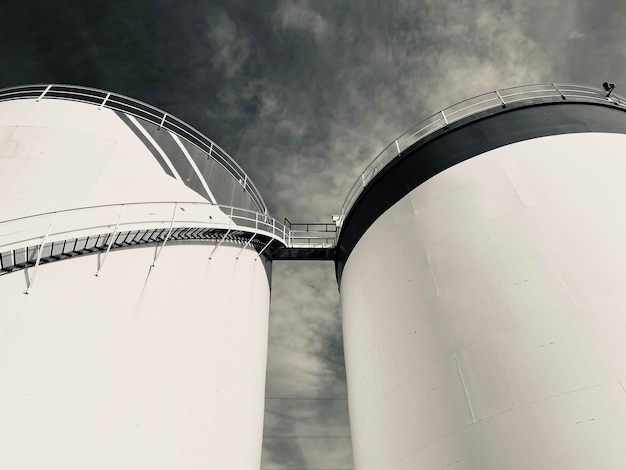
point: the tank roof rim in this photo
(550, 93)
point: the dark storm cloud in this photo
(185, 56)
(87, 43)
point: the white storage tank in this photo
(482, 270)
(134, 289)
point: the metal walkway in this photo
(23, 245)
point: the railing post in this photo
(106, 98)
(44, 92)
(246, 245)
(39, 250)
(162, 121)
(363, 179)
(113, 235)
(445, 119)
(220, 242)
(398, 146)
(558, 91)
(266, 245)
(169, 232)
(501, 99)
(230, 224)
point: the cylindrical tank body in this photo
(158, 362)
(482, 280)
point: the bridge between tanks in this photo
(309, 241)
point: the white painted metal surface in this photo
(140, 367)
(61, 154)
(484, 314)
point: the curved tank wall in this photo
(75, 153)
(153, 363)
(483, 304)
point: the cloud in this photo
(306, 345)
(231, 48)
(306, 418)
(300, 431)
(300, 16)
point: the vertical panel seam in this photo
(569, 289)
(469, 404)
(432, 273)
(515, 188)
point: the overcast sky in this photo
(303, 94)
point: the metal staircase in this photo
(288, 241)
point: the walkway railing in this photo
(441, 119)
(125, 104)
(308, 235)
(75, 223)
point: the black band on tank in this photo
(465, 139)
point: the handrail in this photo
(125, 104)
(463, 109)
(309, 235)
(61, 224)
